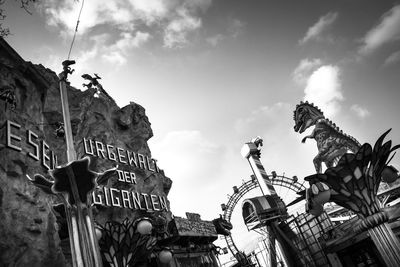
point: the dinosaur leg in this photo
(317, 164)
(333, 157)
(321, 157)
(312, 135)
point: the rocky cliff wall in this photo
(29, 143)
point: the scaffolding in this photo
(307, 233)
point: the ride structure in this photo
(291, 184)
(267, 211)
(284, 236)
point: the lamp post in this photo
(71, 155)
(84, 246)
(73, 182)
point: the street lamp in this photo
(165, 256)
(73, 182)
(144, 226)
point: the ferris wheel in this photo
(280, 181)
(265, 214)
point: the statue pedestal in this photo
(387, 244)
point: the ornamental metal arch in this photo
(238, 192)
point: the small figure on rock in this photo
(60, 131)
(66, 70)
(93, 82)
(7, 94)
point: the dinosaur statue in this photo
(332, 143)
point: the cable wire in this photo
(76, 29)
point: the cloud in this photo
(322, 84)
(324, 89)
(360, 111)
(97, 46)
(177, 30)
(215, 39)
(151, 11)
(102, 48)
(64, 14)
(185, 19)
(234, 28)
(195, 164)
(304, 69)
(318, 28)
(129, 41)
(271, 122)
(386, 31)
(392, 59)
(117, 53)
(188, 156)
(115, 57)
(274, 123)
(258, 118)
(202, 5)
(98, 49)
(174, 19)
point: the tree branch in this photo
(4, 32)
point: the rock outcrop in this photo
(29, 143)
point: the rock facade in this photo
(28, 225)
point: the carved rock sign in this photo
(197, 227)
(27, 223)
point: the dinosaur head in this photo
(306, 115)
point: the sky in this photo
(213, 74)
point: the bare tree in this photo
(5, 31)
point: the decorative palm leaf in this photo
(78, 171)
(121, 245)
(354, 181)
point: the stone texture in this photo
(28, 227)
